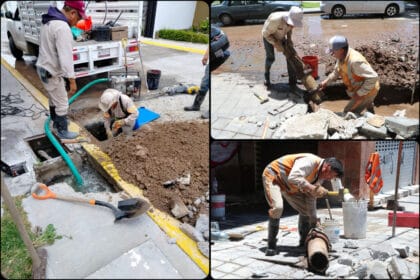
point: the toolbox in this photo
(119, 32)
(404, 219)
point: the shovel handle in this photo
(50, 194)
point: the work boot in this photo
(199, 98)
(205, 115)
(53, 116)
(273, 230)
(267, 82)
(371, 108)
(62, 130)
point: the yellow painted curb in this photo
(175, 47)
(164, 221)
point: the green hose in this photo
(57, 144)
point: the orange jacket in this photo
(373, 173)
(278, 171)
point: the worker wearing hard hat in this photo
(55, 61)
(296, 178)
(361, 81)
(276, 32)
(120, 113)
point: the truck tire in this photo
(14, 50)
(226, 19)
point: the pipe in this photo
(397, 183)
(57, 144)
(317, 247)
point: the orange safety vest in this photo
(353, 82)
(373, 175)
(278, 171)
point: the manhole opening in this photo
(54, 170)
(42, 147)
(97, 129)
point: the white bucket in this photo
(332, 230)
(218, 206)
(355, 219)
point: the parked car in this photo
(338, 9)
(231, 11)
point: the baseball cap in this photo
(79, 6)
(109, 96)
(335, 43)
(295, 16)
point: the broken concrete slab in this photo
(402, 126)
(294, 110)
(382, 252)
(178, 208)
(403, 251)
(191, 232)
(338, 270)
(373, 132)
(398, 269)
(377, 270)
(309, 126)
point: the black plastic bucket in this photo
(101, 33)
(153, 77)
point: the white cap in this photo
(109, 96)
(295, 16)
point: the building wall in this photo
(174, 15)
(202, 12)
(354, 155)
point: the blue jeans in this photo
(269, 60)
(205, 81)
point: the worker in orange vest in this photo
(298, 179)
(361, 81)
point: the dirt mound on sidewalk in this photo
(160, 152)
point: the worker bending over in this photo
(361, 81)
(120, 113)
(298, 179)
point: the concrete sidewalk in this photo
(349, 258)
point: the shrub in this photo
(183, 35)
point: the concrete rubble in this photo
(378, 256)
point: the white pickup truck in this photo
(90, 57)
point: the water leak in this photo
(92, 181)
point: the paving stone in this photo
(398, 269)
(403, 126)
(243, 260)
(228, 267)
(362, 255)
(215, 274)
(309, 126)
(382, 251)
(360, 272)
(403, 251)
(244, 272)
(377, 270)
(373, 132)
(338, 270)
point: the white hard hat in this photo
(109, 96)
(337, 42)
(295, 16)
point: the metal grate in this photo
(388, 151)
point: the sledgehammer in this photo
(262, 100)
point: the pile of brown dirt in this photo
(160, 152)
(393, 60)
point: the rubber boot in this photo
(53, 116)
(62, 130)
(273, 230)
(199, 98)
(267, 82)
(205, 115)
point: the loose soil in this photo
(161, 152)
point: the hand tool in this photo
(262, 100)
(328, 206)
(340, 193)
(240, 236)
(128, 208)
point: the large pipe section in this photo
(317, 247)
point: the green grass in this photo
(16, 262)
(310, 4)
(184, 35)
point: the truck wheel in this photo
(14, 50)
